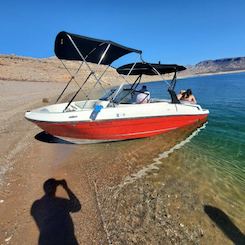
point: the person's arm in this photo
(179, 96)
(193, 99)
(74, 204)
(148, 97)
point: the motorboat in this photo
(117, 115)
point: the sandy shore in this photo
(27, 163)
(139, 212)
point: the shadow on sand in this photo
(225, 224)
(48, 138)
(52, 214)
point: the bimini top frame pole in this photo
(173, 81)
(70, 80)
(129, 72)
(74, 47)
(84, 60)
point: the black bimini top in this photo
(92, 49)
(149, 69)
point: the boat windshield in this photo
(125, 95)
(108, 94)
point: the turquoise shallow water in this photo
(216, 157)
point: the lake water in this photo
(215, 158)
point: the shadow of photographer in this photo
(52, 214)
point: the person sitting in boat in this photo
(143, 96)
(188, 96)
(179, 96)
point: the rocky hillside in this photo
(216, 66)
(47, 70)
(228, 64)
(51, 69)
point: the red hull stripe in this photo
(120, 129)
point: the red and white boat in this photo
(115, 116)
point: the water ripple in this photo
(157, 161)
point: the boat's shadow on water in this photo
(223, 221)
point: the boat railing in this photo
(187, 103)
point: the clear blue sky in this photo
(179, 31)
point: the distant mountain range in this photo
(18, 68)
(216, 66)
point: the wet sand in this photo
(147, 210)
